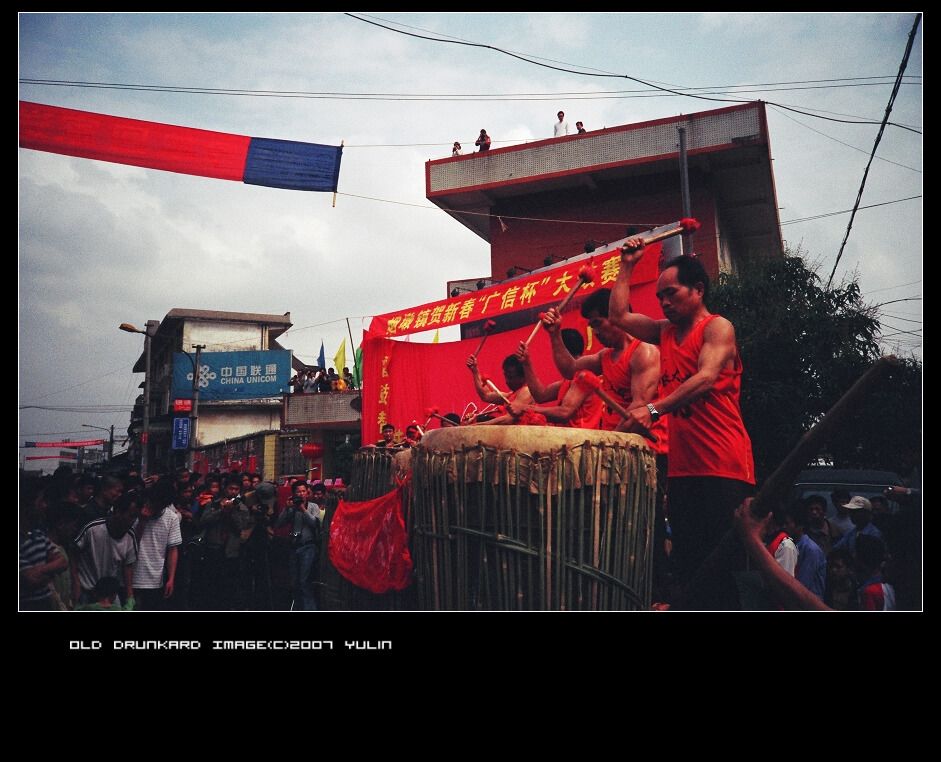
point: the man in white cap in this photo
(860, 510)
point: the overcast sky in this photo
(101, 244)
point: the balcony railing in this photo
(609, 147)
(318, 409)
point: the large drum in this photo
(372, 475)
(531, 517)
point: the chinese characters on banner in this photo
(402, 379)
(541, 288)
(384, 389)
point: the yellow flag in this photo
(435, 339)
(339, 359)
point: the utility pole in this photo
(150, 330)
(684, 190)
(110, 437)
(194, 413)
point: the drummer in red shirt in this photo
(561, 402)
(711, 468)
(630, 368)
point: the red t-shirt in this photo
(616, 380)
(709, 437)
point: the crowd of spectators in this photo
(321, 380)
(173, 541)
(559, 129)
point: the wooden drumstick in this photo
(584, 276)
(493, 386)
(488, 327)
(590, 382)
(432, 412)
(685, 225)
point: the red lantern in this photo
(312, 450)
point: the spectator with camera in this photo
(224, 519)
(302, 516)
(254, 561)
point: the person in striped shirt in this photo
(40, 561)
(107, 547)
(159, 541)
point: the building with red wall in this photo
(545, 200)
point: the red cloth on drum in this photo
(369, 543)
(529, 418)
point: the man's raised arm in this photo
(637, 325)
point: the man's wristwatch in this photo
(654, 413)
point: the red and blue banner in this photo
(257, 161)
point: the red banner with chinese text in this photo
(402, 379)
(544, 287)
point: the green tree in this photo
(802, 347)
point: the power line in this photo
(502, 216)
(837, 140)
(900, 330)
(456, 97)
(896, 301)
(328, 322)
(770, 87)
(889, 288)
(619, 76)
(885, 121)
(81, 408)
(594, 222)
(904, 319)
(847, 211)
(837, 113)
(97, 377)
(901, 341)
(604, 71)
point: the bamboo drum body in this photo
(532, 518)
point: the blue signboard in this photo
(233, 375)
(181, 433)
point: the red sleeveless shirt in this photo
(616, 380)
(709, 437)
(588, 415)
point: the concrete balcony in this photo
(722, 142)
